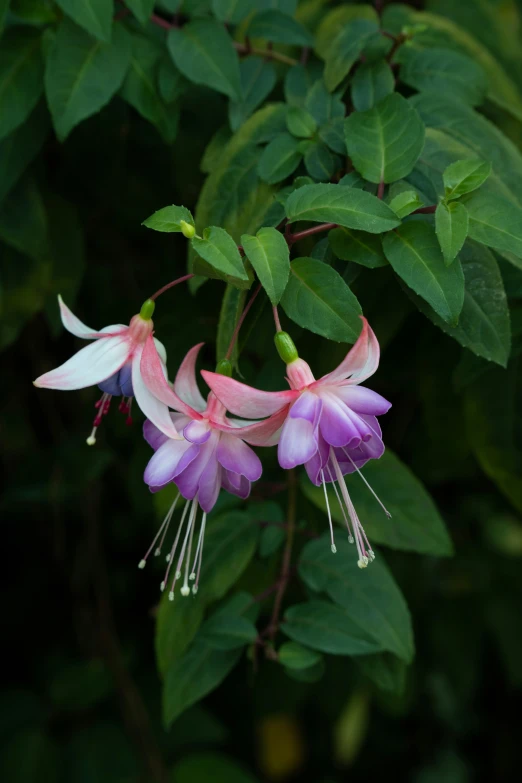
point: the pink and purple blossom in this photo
(213, 454)
(330, 425)
(112, 362)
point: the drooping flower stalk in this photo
(330, 424)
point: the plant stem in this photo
(287, 554)
(170, 285)
(276, 319)
(425, 210)
(240, 322)
(291, 238)
(380, 189)
(270, 54)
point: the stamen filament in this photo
(177, 573)
(200, 550)
(350, 537)
(356, 524)
(170, 556)
(333, 547)
(164, 527)
(369, 487)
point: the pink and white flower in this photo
(330, 424)
(111, 361)
(212, 455)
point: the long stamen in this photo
(364, 556)
(200, 552)
(170, 556)
(185, 589)
(350, 537)
(164, 527)
(102, 406)
(177, 573)
(379, 501)
(332, 546)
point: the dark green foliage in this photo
(142, 141)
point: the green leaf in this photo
(484, 325)
(359, 246)
(333, 135)
(451, 227)
(445, 71)
(371, 598)
(415, 255)
(19, 148)
(233, 196)
(300, 122)
(344, 50)
(495, 222)
(279, 158)
(83, 74)
(269, 255)
(463, 176)
(385, 142)
(95, 16)
(372, 82)
(346, 206)
(230, 542)
(219, 250)
(320, 163)
(26, 282)
(227, 631)
(405, 202)
(204, 53)
(322, 105)
(21, 82)
(205, 766)
(232, 306)
(232, 11)
(294, 656)
(141, 91)
(318, 299)
(328, 628)
(142, 9)
(177, 623)
(468, 134)
(258, 79)
(169, 219)
(277, 27)
(191, 677)
(415, 525)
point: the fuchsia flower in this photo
(112, 362)
(330, 425)
(212, 455)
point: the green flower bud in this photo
(285, 347)
(224, 367)
(187, 229)
(147, 309)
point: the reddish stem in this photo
(170, 285)
(157, 20)
(276, 319)
(425, 210)
(380, 189)
(240, 322)
(291, 238)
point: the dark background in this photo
(80, 693)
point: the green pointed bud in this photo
(187, 229)
(147, 309)
(224, 367)
(285, 347)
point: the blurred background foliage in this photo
(82, 690)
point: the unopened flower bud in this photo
(187, 229)
(285, 347)
(147, 309)
(224, 367)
